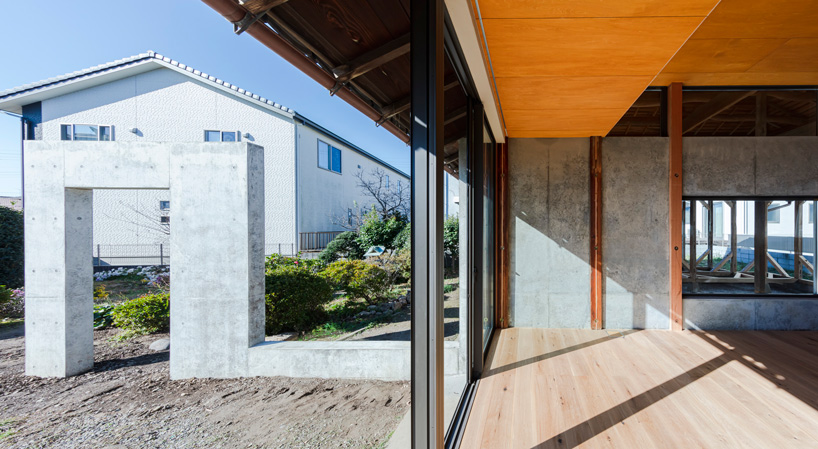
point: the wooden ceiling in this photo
(750, 42)
(573, 68)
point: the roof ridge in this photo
(149, 55)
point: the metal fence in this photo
(316, 241)
(159, 254)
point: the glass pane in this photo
(229, 136)
(323, 155)
(336, 160)
(65, 132)
(488, 237)
(105, 133)
(212, 136)
(86, 132)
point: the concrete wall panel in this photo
(635, 233)
(749, 166)
(549, 235)
(785, 314)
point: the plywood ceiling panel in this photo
(721, 55)
(750, 42)
(565, 92)
(528, 9)
(549, 121)
(582, 47)
(572, 68)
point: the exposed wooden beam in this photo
(804, 130)
(372, 59)
(718, 104)
(761, 114)
(676, 213)
(789, 95)
(596, 232)
(453, 116)
(760, 246)
(257, 6)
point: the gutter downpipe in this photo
(234, 13)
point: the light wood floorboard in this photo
(567, 388)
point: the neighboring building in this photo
(12, 202)
(310, 172)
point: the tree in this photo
(390, 199)
(377, 231)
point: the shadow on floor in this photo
(539, 358)
(145, 359)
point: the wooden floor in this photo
(647, 389)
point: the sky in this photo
(48, 38)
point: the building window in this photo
(774, 214)
(164, 220)
(87, 133)
(349, 216)
(164, 205)
(329, 157)
(387, 181)
(717, 261)
(221, 136)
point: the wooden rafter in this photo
(257, 6)
(718, 104)
(372, 59)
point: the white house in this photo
(310, 172)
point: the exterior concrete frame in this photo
(217, 235)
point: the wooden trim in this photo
(502, 258)
(595, 162)
(676, 213)
(760, 246)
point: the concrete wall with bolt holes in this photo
(217, 311)
(549, 233)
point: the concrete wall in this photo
(635, 233)
(213, 323)
(324, 195)
(748, 166)
(167, 106)
(549, 233)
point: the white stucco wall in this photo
(167, 106)
(323, 193)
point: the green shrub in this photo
(12, 302)
(295, 298)
(451, 234)
(11, 247)
(144, 315)
(403, 241)
(377, 232)
(359, 279)
(104, 316)
(344, 245)
(5, 295)
(277, 260)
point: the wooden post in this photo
(596, 232)
(760, 250)
(676, 213)
(502, 253)
(733, 237)
(798, 242)
(761, 113)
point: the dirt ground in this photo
(128, 401)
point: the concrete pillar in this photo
(59, 277)
(217, 246)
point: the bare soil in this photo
(129, 401)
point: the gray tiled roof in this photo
(133, 60)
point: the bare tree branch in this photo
(390, 199)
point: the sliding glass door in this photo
(487, 237)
